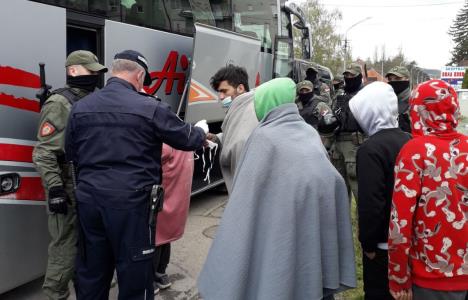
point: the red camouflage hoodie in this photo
(428, 237)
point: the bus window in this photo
(180, 16)
(148, 13)
(283, 58)
(257, 19)
(109, 9)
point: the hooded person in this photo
(428, 237)
(375, 108)
(286, 231)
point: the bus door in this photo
(85, 32)
(23, 221)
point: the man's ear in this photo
(240, 88)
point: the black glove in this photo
(328, 123)
(58, 200)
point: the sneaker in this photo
(156, 290)
(162, 281)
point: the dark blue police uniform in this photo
(114, 138)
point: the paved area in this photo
(188, 254)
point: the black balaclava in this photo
(305, 97)
(353, 84)
(85, 82)
(399, 85)
(311, 75)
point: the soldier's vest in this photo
(72, 98)
(344, 114)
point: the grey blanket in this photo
(237, 126)
(286, 231)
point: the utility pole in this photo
(346, 40)
(345, 53)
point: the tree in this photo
(459, 33)
(465, 80)
(326, 42)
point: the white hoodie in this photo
(375, 107)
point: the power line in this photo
(391, 6)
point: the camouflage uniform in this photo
(344, 144)
(49, 159)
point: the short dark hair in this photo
(234, 75)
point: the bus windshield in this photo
(257, 19)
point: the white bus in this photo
(254, 34)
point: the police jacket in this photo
(115, 137)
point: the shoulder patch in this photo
(47, 129)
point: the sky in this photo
(418, 27)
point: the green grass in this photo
(357, 293)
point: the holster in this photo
(155, 204)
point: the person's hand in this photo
(370, 255)
(203, 125)
(58, 200)
(402, 295)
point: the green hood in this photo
(272, 94)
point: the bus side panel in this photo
(213, 49)
(167, 55)
(265, 67)
(31, 33)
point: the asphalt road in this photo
(187, 257)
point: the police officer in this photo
(311, 106)
(114, 139)
(347, 138)
(83, 70)
(320, 88)
(398, 78)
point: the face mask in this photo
(353, 84)
(85, 82)
(399, 86)
(227, 102)
(311, 76)
(305, 97)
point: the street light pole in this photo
(346, 39)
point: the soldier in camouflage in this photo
(320, 88)
(399, 79)
(311, 106)
(344, 141)
(83, 71)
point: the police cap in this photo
(398, 71)
(354, 69)
(137, 57)
(86, 59)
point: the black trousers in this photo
(114, 235)
(376, 276)
(161, 258)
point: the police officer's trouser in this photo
(62, 253)
(114, 234)
(344, 159)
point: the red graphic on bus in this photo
(169, 74)
(20, 78)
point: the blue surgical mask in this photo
(227, 102)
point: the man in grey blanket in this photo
(286, 231)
